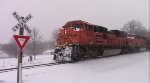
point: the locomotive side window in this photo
(88, 27)
(100, 29)
(96, 29)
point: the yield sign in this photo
(21, 40)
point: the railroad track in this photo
(48, 64)
(32, 66)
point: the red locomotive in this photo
(79, 39)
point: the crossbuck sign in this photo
(22, 22)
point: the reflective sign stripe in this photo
(27, 18)
(15, 14)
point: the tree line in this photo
(35, 46)
(136, 27)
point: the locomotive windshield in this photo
(77, 27)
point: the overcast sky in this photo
(52, 14)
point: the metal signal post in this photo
(19, 69)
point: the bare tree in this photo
(135, 27)
(53, 38)
(11, 49)
(34, 46)
(54, 34)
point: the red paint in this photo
(68, 35)
(17, 37)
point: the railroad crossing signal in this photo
(22, 22)
(21, 41)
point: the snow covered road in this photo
(129, 68)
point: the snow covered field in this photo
(12, 62)
(129, 68)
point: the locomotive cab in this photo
(69, 34)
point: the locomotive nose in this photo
(68, 37)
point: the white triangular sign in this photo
(21, 40)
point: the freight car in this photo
(79, 39)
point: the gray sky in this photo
(51, 14)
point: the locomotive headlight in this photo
(65, 31)
(66, 43)
(57, 47)
(55, 43)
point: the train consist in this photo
(79, 39)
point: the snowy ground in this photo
(129, 68)
(12, 62)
